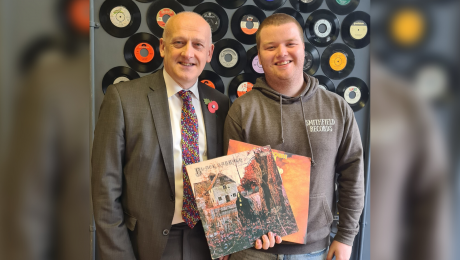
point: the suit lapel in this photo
(158, 99)
(209, 122)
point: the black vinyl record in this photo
(356, 30)
(190, 2)
(312, 59)
(216, 17)
(245, 23)
(337, 61)
(253, 65)
(292, 12)
(231, 4)
(306, 6)
(142, 52)
(120, 18)
(240, 85)
(117, 75)
(342, 7)
(269, 5)
(322, 28)
(355, 92)
(229, 58)
(213, 80)
(158, 14)
(325, 83)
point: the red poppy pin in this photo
(212, 105)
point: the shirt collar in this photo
(173, 88)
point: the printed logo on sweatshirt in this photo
(320, 125)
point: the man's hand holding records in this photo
(268, 241)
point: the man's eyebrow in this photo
(288, 40)
(177, 38)
(173, 39)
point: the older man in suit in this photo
(148, 130)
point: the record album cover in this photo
(295, 174)
(240, 197)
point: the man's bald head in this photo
(186, 47)
(184, 18)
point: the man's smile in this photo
(281, 63)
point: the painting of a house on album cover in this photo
(240, 197)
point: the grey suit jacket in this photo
(132, 166)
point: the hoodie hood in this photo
(309, 90)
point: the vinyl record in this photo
(117, 75)
(216, 17)
(240, 85)
(355, 92)
(72, 17)
(342, 7)
(229, 58)
(306, 6)
(292, 12)
(158, 14)
(120, 18)
(253, 65)
(356, 29)
(142, 52)
(433, 78)
(325, 83)
(231, 4)
(245, 23)
(312, 59)
(322, 28)
(269, 5)
(213, 80)
(190, 2)
(337, 61)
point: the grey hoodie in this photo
(318, 124)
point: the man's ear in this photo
(162, 48)
(210, 52)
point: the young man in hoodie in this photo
(288, 111)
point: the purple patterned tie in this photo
(190, 155)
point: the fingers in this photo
(266, 242)
(330, 254)
(226, 257)
(258, 244)
(271, 238)
(278, 239)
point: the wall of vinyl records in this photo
(336, 33)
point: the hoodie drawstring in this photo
(308, 135)
(281, 109)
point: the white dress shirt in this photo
(175, 111)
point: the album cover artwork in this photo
(295, 174)
(240, 197)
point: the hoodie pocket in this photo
(319, 219)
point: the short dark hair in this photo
(277, 20)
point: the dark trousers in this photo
(186, 244)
